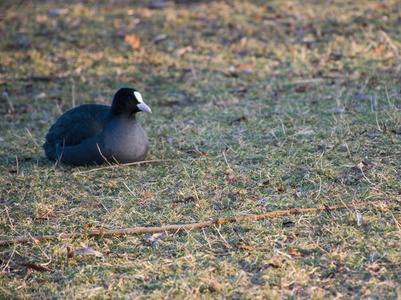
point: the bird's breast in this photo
(125, 140)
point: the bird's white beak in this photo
(142, 106)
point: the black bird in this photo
(93, 134)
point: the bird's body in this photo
(93, 134)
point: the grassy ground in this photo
(258, 107)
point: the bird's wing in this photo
(77, 125)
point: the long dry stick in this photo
(137, 230)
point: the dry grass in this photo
(257, 106)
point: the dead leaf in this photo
(117, 60)
(227, 102)
(359, 218)
(198, 152)
(156, 237)
(33, 267)
(184, 50)
(133, 41)
(357, 167)
(298, 194)
(245, 67)
(160, 37)
(381, 4)
(378, 50)
(147, 195)
(88, 251)
(388, 59)
(231, 179)
(294, 252)
(253, 248)
(41, 96)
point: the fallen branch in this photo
(137, 230)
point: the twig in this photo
(136, 163)
(388, 99)
(225, 159)
(10, 103)
(197, 198)
(207, 240)
(215, 221)
(305, 81)
(9, 219)
(122, 165)
(245, 247)
(30, 135)
(16, 158)
(11, 257)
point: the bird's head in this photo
(129, 101)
